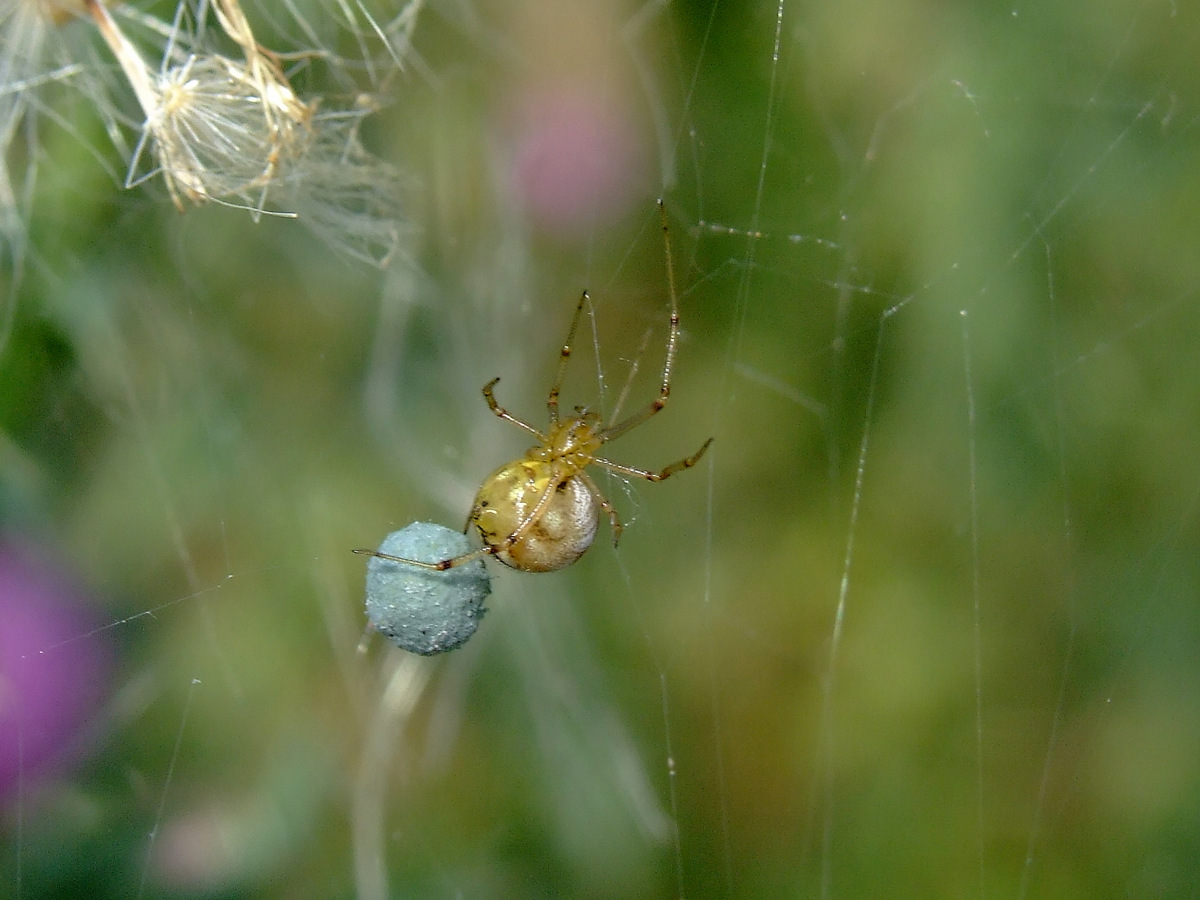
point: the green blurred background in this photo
(925, 622)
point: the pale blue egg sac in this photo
(422, 610)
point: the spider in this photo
(539, 513)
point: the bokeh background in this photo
(923, 624)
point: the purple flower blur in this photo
(50, 683)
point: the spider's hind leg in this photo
(614, 520)
(439, 566)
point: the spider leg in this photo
(495, 407)
(633, 370)
(614, 520)
(440, 566)
(646, 473)
(497, 545)
(564, 355)
(664, 393)
(530, 518)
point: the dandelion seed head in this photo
(212, 137)
(233, 131)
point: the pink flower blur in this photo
(578, 160)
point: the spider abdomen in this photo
(561, 528)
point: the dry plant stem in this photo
(137, 73)
(128, 57)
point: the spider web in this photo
(923, 621)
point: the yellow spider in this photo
(539, 513)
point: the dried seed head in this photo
(213, 138)
(233, 131)
(218, 129)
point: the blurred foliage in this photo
(938, 289)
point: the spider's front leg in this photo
(490, 396)
(563, 356)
